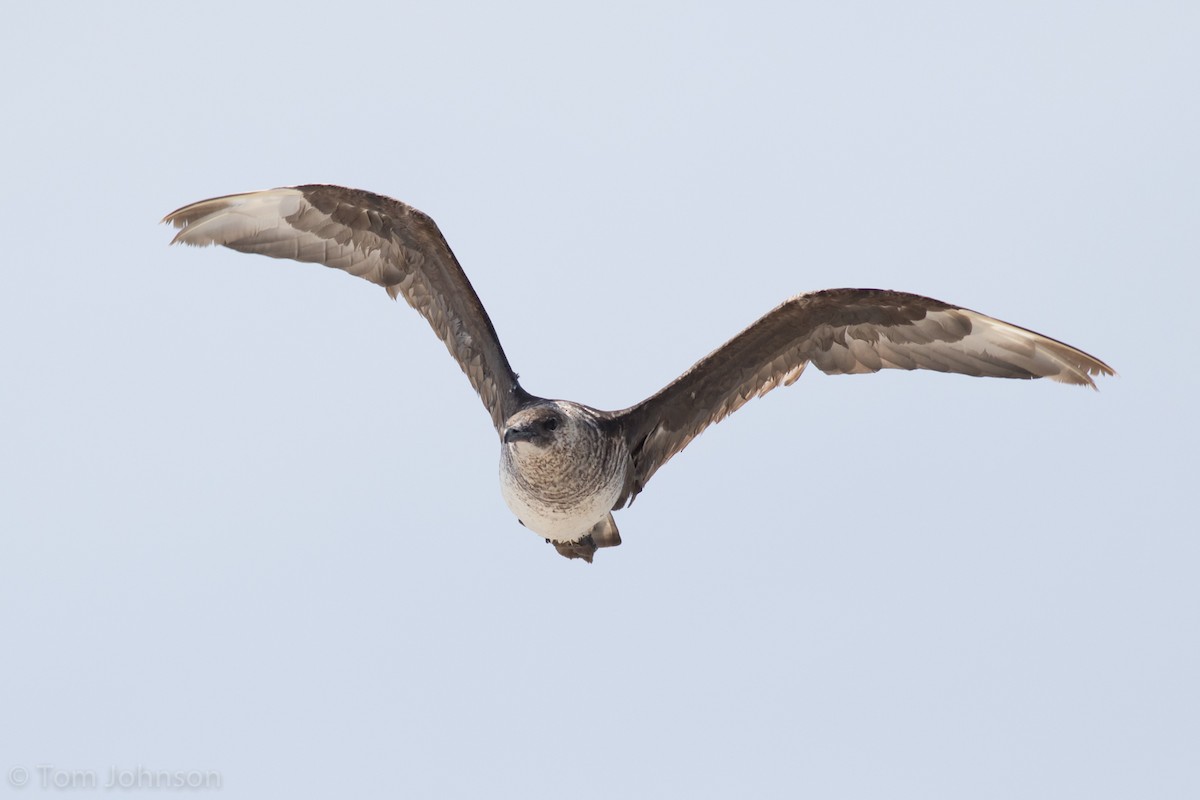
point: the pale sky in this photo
(250, 522)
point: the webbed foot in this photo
(583, 548)
(602, 534)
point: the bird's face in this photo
(540, 426)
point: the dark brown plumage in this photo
(376, 238)
(563, 480)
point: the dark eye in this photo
(552, 424)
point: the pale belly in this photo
(553, 518)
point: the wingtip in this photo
(185, 218)
(1098, 369)
(174, 221)
(1081, 376)
(181, 229)
(180, 219)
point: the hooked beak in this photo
(518, 433)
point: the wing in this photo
(840, 331)
(376, 238)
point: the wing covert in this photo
(839, 331)
(376, 238)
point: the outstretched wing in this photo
(840, 331)
(376, 238)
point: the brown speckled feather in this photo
(375, 238)
(565, 466)
(840, 331)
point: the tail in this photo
(603, 534)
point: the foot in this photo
(583, 548)
(602, 534)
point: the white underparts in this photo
(559, 488)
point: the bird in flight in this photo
(564, 466)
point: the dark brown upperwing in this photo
(841, 331)
(375, 238)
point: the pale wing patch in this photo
(841, 331)
(235, 217)
(261, 223)
(1040, 355)
(950, 340)
(374, 238)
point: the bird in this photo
(565, 466)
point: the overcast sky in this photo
(250, 524)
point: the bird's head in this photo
(539, 426)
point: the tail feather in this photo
(603, 534)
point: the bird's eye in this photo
(552, 424)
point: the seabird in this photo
(564, 466)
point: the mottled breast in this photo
(560, 472)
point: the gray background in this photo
(249, 510)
